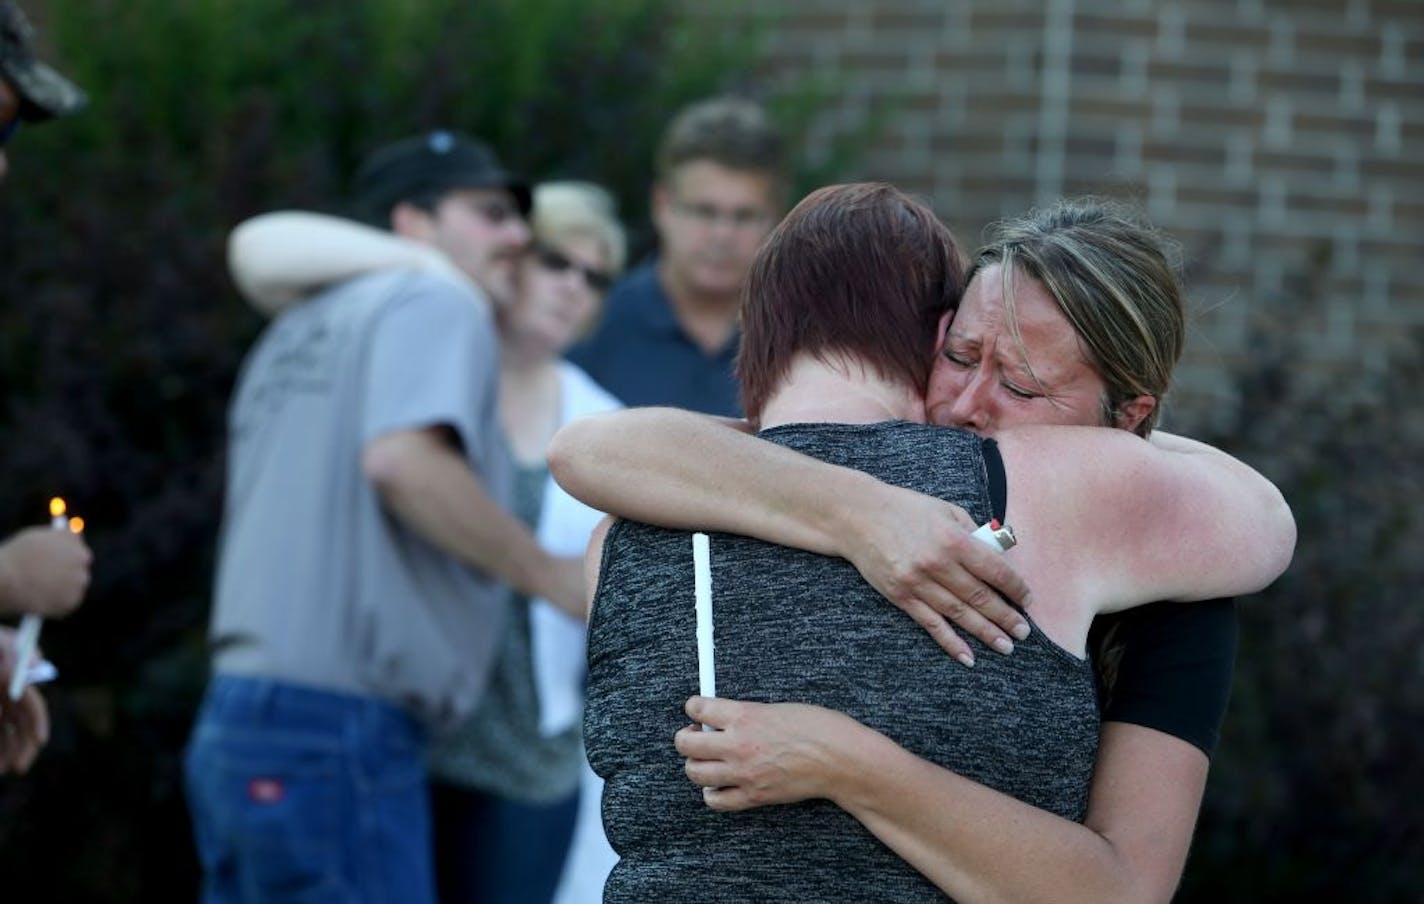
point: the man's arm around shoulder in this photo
(423, 478)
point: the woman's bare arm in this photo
(1107, 517)
(974, 843)
(688, 471)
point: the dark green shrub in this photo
(1315, 791)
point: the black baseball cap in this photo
(44, 93)
(439, 160)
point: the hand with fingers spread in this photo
(764, 753)
(916, 550)
(24, 723)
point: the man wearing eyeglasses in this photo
(367, 539)
(42, 571)
(670, 331)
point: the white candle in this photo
(26, 639)
(702, 586)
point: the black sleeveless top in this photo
(792, 626)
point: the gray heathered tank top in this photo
(794, 626)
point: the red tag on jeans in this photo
(265, 790)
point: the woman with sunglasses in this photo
(505, 784)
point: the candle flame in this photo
(76, 525)
(57, 507)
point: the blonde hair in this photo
(1111, 275)
(571, 209)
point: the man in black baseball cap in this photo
(430, 164)
(30, 91)
(450, 191)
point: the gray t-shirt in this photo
(317, 583)
(792, 626)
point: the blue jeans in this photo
(304, 795)
(493, 850)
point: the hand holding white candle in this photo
(702, 588)
(27, 638)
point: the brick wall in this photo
(1280, 141)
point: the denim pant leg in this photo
(300, 795)
(394, 846)
(492, 850)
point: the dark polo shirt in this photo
(641, 354)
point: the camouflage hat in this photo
(44, 93)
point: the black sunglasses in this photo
(555, 261)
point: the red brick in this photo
(801, 19)
(1338, 44)
(1124, 26)
(1104, 184)
(1344, 287)
(1215, 195)
(1296, 81)
(1401, 169)
(854, 60)
(964, 143)
(1218, 117)
(1314, 10)
(1307, 122)
(1116, 109)
(1350, 206)
(1402, 11)
(1177, 151)
(1266, 160)
(918, 103)
(920, 21)
(1409, 208)
(1086, 64)
(1392, 89)
(1226, 33)
(995, 105)
(1016, 21)
(1394, 246)
(970, 59)
(1191, 73)
(999, 183)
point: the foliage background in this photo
(120, 337)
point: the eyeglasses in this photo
(709, 215)
(555, 261)
(8, 130)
